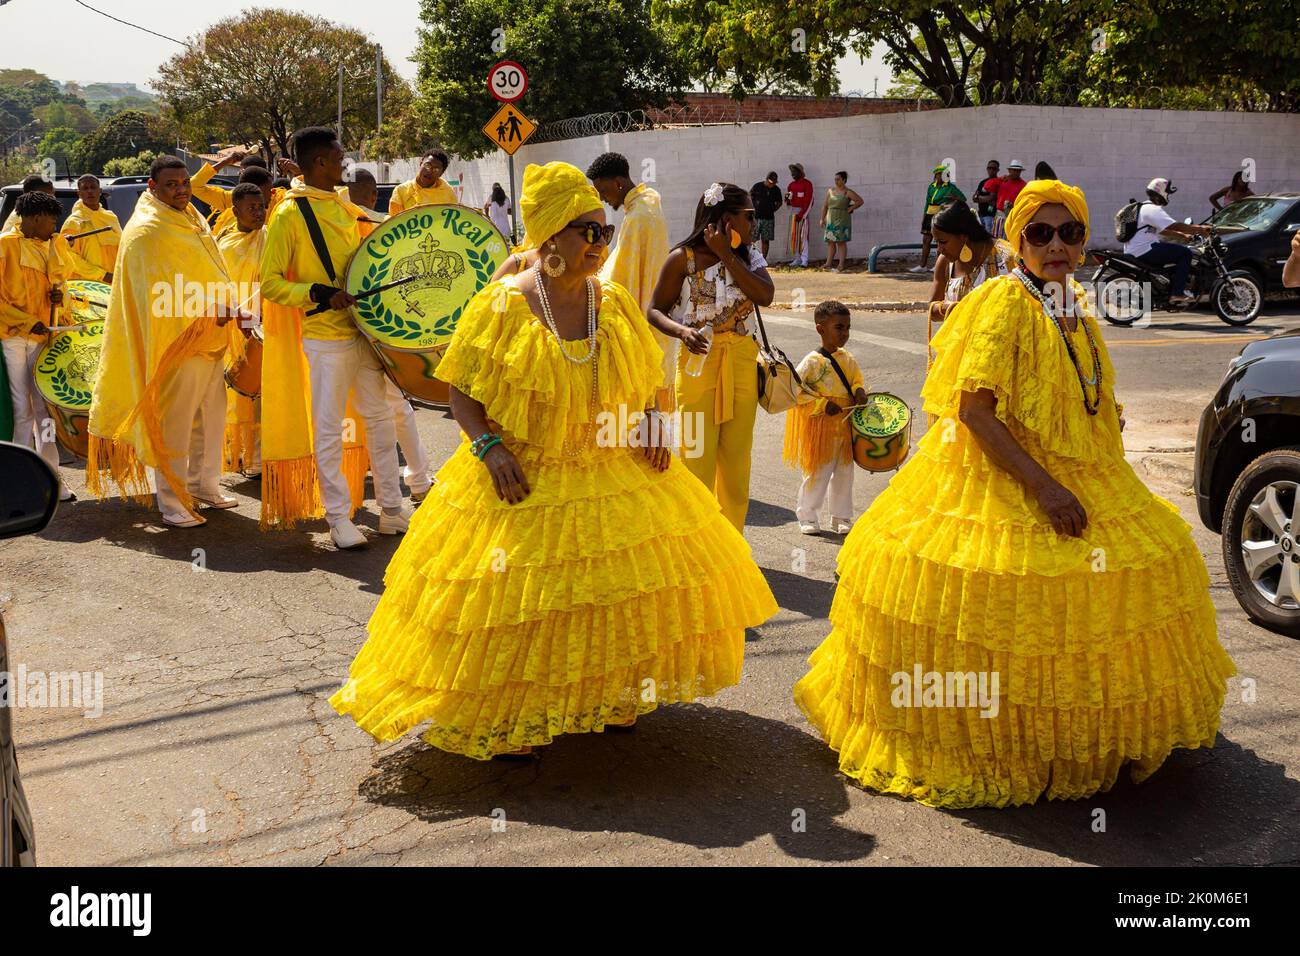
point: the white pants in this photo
(193, 403)
(337, 368)
(836, 475)
(33, 426)
(416, 472)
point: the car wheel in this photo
(1261, 540)
(1239, 298)
(1120, 300)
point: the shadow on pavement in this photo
(1221, 807)
(690, 773)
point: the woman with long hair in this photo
(497, 209)
(1237, 189)
(565, 574)
(837, 220)
(706, 296)
(1017, 615)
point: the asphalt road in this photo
(217, 746)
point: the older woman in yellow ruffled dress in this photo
(558, 579)
(1017, 616)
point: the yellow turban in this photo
(1036, 195)
(554, 195)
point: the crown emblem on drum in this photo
(434, 268)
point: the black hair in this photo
(844, 176)
(257, 176)
(734, 199)
(1044, 171)
(246, 189)
(1237, 180)
(84, 176)
(829, 308)
(281, 182)
(608, 166)
(439, 155)
(362, 175)
(165, 161)
(957, 218)
(309, 142)
(771, 177)
(35, 182)
(253, 161)
(498, 194)
(37, 203)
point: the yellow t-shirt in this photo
(411, 193)
(290, 265)
(820, 377)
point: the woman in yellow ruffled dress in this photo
(1017, 616)
(557, 579)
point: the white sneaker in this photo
(182, 519)
(346, 535)
(809, 527)
(393, 524)
(842, 526)
(216, 500)
(919, 269)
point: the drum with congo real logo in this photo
(882, 432)
(65, 372)
(87, 299)
(449, 253)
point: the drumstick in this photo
(92, 232)
(367, 293)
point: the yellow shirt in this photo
(290, 265)
(642, 247)
(819, 377)
(242, 252)
(220, 200)
(28, 269)
(411, 193)
(94, 256)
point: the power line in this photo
(128, 23)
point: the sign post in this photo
(508, 128)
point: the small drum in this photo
(882, 432)
(87, 299)
(65, 374)
(452, 251)
(244, 376)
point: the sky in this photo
(110, 52)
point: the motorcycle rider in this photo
(1152, 223)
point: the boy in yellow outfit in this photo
(304, 459)
(426, 188)
(33, 264)
(95, 255)
(242, 247)
(817, 437)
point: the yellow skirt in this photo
(610, 590)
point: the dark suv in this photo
(1247, 478)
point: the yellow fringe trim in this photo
(116, 462)
(291, 491)
(241, 439)
(811, 440)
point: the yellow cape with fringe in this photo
(242, 252)
(168, 276)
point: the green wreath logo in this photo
(67, 393)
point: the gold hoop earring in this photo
(965, 255)
(554, 270)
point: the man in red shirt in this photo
(1008, 190)
(799, 197)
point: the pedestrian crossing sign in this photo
(509, 129)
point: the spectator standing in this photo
(1008, 189)
(986, 194)
(837, 220)
(766, 197)
(1237, 189)
(799, 197)
(938, 194)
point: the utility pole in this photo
(340, 123)
(379, 107)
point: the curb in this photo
(864, 306)
(1175, 467)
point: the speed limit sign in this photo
(507, 81)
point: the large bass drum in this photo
(452, 252)
(65, 373)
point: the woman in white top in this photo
(968, 256)
(497, 208)
(705, 297)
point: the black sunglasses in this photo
(595, 232)
(1041, 233)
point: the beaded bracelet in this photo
(487, 446)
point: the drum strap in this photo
(317, 237)
(838, 371)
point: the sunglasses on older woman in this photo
(595, 231)
(1041, 233)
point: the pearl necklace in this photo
(1092, 403)
(571, 450)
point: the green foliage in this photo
(130, 165)
(261, 75)
(582, 56)
(63, 146)
(128, 134)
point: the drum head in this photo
(87, 300)
(65, 369)
(882, 415)
(449, 252)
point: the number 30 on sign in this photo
(507, 81)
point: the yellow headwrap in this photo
(554, 195)
(1040, 193)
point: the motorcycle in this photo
(1127, 289)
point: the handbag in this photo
(779, 385)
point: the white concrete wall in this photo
(1110, 153)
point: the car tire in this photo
(1281, 470)
(1111, 290)
(1239, 298)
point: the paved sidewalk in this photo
(858, 290)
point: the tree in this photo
(126, 134)
(261, 75)
(130, 165)
(582, 56)
(62, 145)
